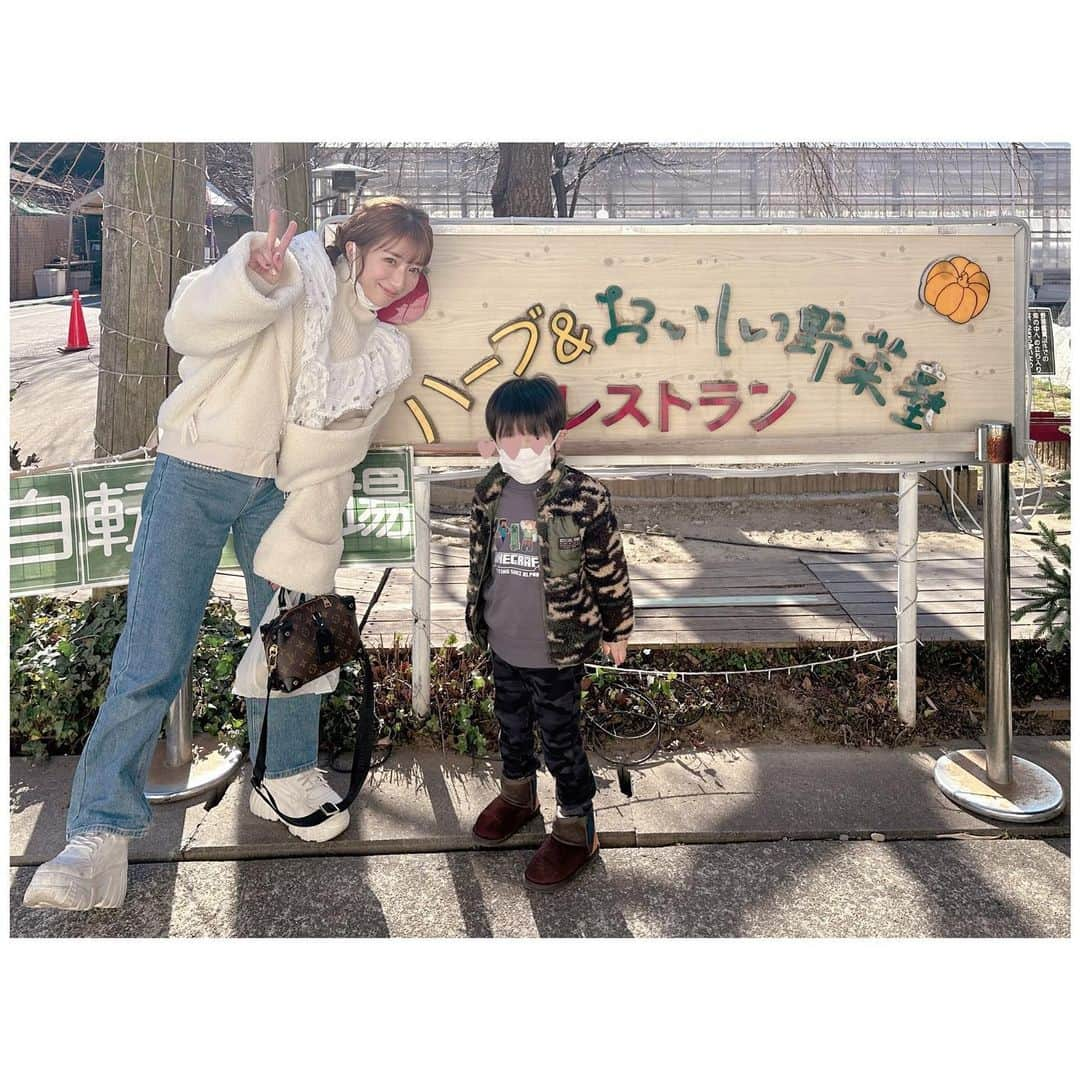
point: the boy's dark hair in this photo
(530, 406)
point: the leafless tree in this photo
(230, 169)
(813, 172)
(586, 158)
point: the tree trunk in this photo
(523, 181)
(560, 159)
(154, 226)
(283, 182)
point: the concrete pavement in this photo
(424, 801)
(64, 300)
(910, 888)
(52, 413)
(407, 866)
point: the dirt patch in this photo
(845, 703)
(713, 532)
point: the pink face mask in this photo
(407, 308)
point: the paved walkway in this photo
(832, 889)
(420, 806)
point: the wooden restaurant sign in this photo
(727, 343)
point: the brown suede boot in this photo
(515, 806)
(572, 843)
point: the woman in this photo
(286, 375)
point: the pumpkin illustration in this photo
(956, 288)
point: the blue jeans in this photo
(187, 511)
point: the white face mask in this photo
(529, 466)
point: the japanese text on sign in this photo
(728, 343)
(1040, 328)
(77, 527)
(818, 331)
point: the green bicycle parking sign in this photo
(76, 527)
(43, 544)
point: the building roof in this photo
(220, 204)
(341, 166)
(50, 175)
(24, 206)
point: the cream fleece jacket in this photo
(302, 548)
(241, 339)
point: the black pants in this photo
(551, 696)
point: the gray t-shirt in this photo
(514, 596)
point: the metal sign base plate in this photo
(212, 766)
(1034, 794)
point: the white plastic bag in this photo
(251, 673)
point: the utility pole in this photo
(154, 224)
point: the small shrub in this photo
(1052, 601)
(61, 659)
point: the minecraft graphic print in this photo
(514, 597)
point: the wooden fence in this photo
(35, 240)
(825, 487)
(782, 487)
(1054, 455)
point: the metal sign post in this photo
(183, 768)
(992, 782)
(421, 594)
(178, 726)
(907, 595)
(995, 451)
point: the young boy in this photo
(548, 583)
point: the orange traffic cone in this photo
(77, 339)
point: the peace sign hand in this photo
(268, 259)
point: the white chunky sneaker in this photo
(298, 796)
(91, 872)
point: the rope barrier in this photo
(658, 673)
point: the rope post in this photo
(907, 592)
(184, 768)
(421, 594)
(992, 782)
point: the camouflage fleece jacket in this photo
(586, 583)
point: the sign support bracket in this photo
(421, 593)
(907, 595)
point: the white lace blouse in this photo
(348, 358)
